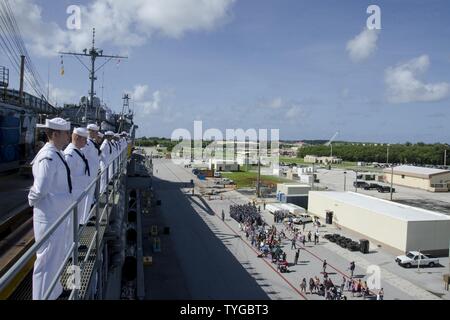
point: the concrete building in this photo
(293, 189)
(322, 160)
(223, 165)
(306, 178)
(401, 227)
(434, 180)
(293, 193)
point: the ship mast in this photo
(94, 53)
(126, 104)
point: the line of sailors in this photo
(62, 170)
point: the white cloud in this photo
(363, 45)
(139, 92)
(276, 103)
(280, 109)
(403, 85)
(123, 23)
(141, 100)
(61, 96)
(153, 105)
(294, 112)
(345, 93)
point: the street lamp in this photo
(392, 179)
(345, 180)
(387, 154)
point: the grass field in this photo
(248, 179)
(344, 165)
(292, 160)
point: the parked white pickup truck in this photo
(304, 218)
(411, 259)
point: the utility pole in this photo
(22, 76)
(93, 54)
(258, 182)
(392, 179)
(387, 154)
(445, 157)
(313, 177)
(345, 180)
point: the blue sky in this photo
(260, 64)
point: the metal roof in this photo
(384, 207)
(420, 172)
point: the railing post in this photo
(97, 218)
(113, 191)
(75, 248)
(107, 194)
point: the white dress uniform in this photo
(81, 177)
(113, 162)
(92, 153)
(106, 156)
(50, 196)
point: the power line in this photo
(13, 46)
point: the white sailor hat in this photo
(93, 127)
(82, 132)
(116, 135)
(55, 124)
(124, 133)
(109, 133)
(101, 135)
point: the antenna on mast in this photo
(93, 54)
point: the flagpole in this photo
(48, 82)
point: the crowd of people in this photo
(280, 215)
(269, 240)
(63, 169)
(246, 213)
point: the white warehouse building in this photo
(395, 225)
(430, 179)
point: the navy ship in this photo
(103, 247)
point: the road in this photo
(217, 262)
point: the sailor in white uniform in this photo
(80, 169)
(124, 140)
(50, 195)
(92, 153)
(118, 149)
(115, 154)
(107, 155)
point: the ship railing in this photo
(118, 165)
